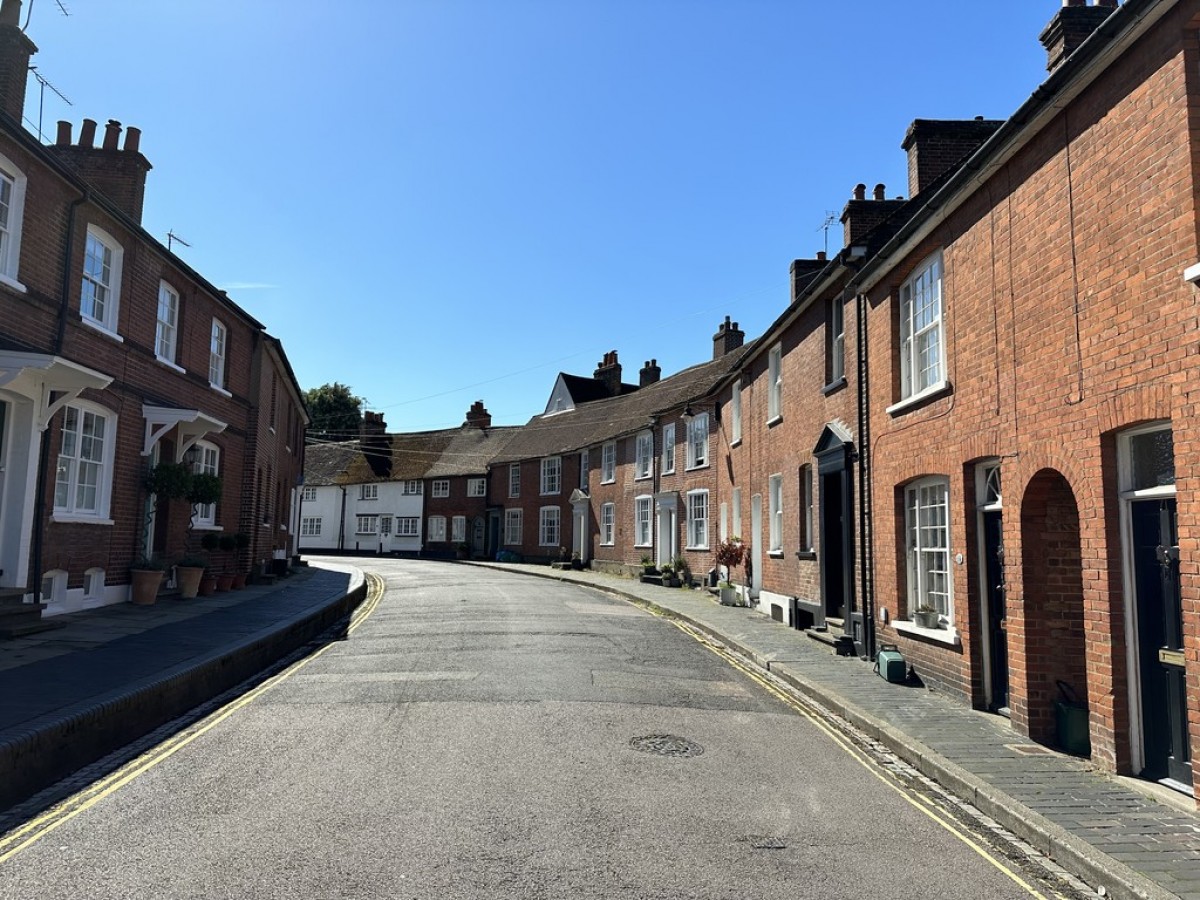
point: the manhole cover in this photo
(666, 745)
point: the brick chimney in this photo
(935, 146)
(118, 173)
(608, 370)
(803, 271)
(650, 373)
(862, 215)
(728, 337)
(375, 444)
(478, 416)
(1071, 26)
(15, 52)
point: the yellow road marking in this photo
(36, 829)
(925, 805)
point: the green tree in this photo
(336, 412)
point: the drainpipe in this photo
(342, 525)
(866, 528)
(39, 491)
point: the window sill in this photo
(162, 360)
(934, 390)
(642, 477)
(550, 494)
(696, 547)
(73, 519)
(639, 546)
(13, 283)
(667, 472)
(774, 420)
(608, 481)
(102, 329)
(608, 543)
(947, 636)
(207, 526)
(220, 390)
(703, 465)
(736, 442)
(806, 554)
(835, 385)
(775, 554)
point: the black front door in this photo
(833, 550)
(836, 556)
(993, 560)
(1160, 641)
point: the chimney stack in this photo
(862, 215)
(478, 416)
(935, 146)
(608, 371)
(650, 373)
(1071, 26)
(728, 337)
(375, 444)
(15, 52)
(119, 174)
(803, 271)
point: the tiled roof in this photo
(326, 464)
(470, 450)
(602, 420)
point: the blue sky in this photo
(439, 201)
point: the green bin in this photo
(1071, 719)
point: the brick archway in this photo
(1047, 629)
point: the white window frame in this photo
(208, 462)
(412, 487)
(775, 384)
(643, 466)
(922, 293)
(775, 512)
(166, 327)
(368, 492)
(735, 415)
(608, 462)
(514, 521)
(585, 467)
(385, 525)
(476, 487)
(101, 464)
(805, 486)
(308, 495)
(697, 441)
(551, 476)
(12, 219)
(549, 518)
(436, 529)
(458, 530)
(643, 521)
(366, 524)
(514, 480)
(668, 449)
(101, 280)
(218, 354)
(697, 525)
(441, 487)
(408, 526)
(929, 574)
(837, 340)
(310, 526)
(608, 524)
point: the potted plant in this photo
(576, 562)
(190, 570)
(683, 570)
(145, 578)
(241, 541)
(168, 481)
(926, 616)
(227, 544)
(648, 565)
(729, 594)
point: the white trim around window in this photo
(929, 576)
(643, 465)
(308, 495)
(12, 218)
(366, 525)
(697, 441)
(608, 462)
(83, 483)
(697, 520)
(166, 327)
(310, 526)
(218, 349)
(476, 487)
(408, 526)
(436, 530)
(513, 522)
(368, 492)
(549, 519)
(208, 462)
(514, 480)
(100, 287)
(608, 520)
(458, 529)
(735, 415)
(775, 384)
(922, 349)
(551, 475)
(412, 488)
(643, 521)
(668, 449)
(441, 487)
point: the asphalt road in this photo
(485, 735)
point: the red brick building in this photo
(115, 356)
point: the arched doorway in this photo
(1049, 622)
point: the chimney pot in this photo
(728, 337)
(880, 192)
(650, 373)
(821, 255)
(63, 139)
(133, 139)
(10, 13)
(112, 134)
(87, 133)
(860, 192)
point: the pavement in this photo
(1114, 833)
(112, 674)
(116, 673)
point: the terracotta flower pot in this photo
(239, 581)
(225, 582)
(189, 580)
(208, 585)
(144, 585)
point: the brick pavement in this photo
(1094, 824)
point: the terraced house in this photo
(115, 355)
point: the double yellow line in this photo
(33, 831)
(919, 802)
